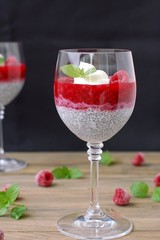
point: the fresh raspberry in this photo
(121, 76)
(121, 197)
(157, 180)
(138, 160)
(1, 235)
(11, 60)
(44, 178)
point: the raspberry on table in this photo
(44, 178)
(138, 160)
(157, 180)
(121, 197)
(1, 235)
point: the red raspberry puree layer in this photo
(104, 96)
(10, 73)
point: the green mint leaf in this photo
(156, 194)
(3, 210)
(71, 70)
(12, 193)
(81, 72)
(7, 198)
(139, 189)
(74, 71)
(64, 173)
(3, 199)
(2, 59)
(61, 172)
(75, 173)
(89, 71)
(18, 212)
(107, 159)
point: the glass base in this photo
(111, 226)
(11, 165)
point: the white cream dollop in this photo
(98, 77)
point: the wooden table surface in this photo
(47, 205)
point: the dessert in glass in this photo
(12, 78)
(94, 93)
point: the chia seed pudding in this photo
(94, 125)
(12, 78)
(9, 90)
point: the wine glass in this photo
(12, 78)
(94, 93)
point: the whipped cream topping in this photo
(98, 77)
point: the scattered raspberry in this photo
(11, 60)
(157, 180)
(121, 76)
(44, 178)
(121, 197)
(1, 235)
(6, 187)
(138, 159)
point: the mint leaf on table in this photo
(3, 199)
(74, 71)
(156, 194)
(107, 159)
(12, 193)
(139, 189)
(7, 199)
(61, 172)
(18, 211)
(64, 173)
(75, 173)
(3, 210)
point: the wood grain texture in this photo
(47, 205)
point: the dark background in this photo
(45, 26)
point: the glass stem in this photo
(1, 131)
(94, 153)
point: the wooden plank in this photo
(47, 205)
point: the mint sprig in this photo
(74, 71)
(139, 189)
(8, 198)
(75, 173)
(107, 159)
(156, 194)
(66, 173)
(18, 211)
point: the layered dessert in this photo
(93, 105)
(12, 77)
